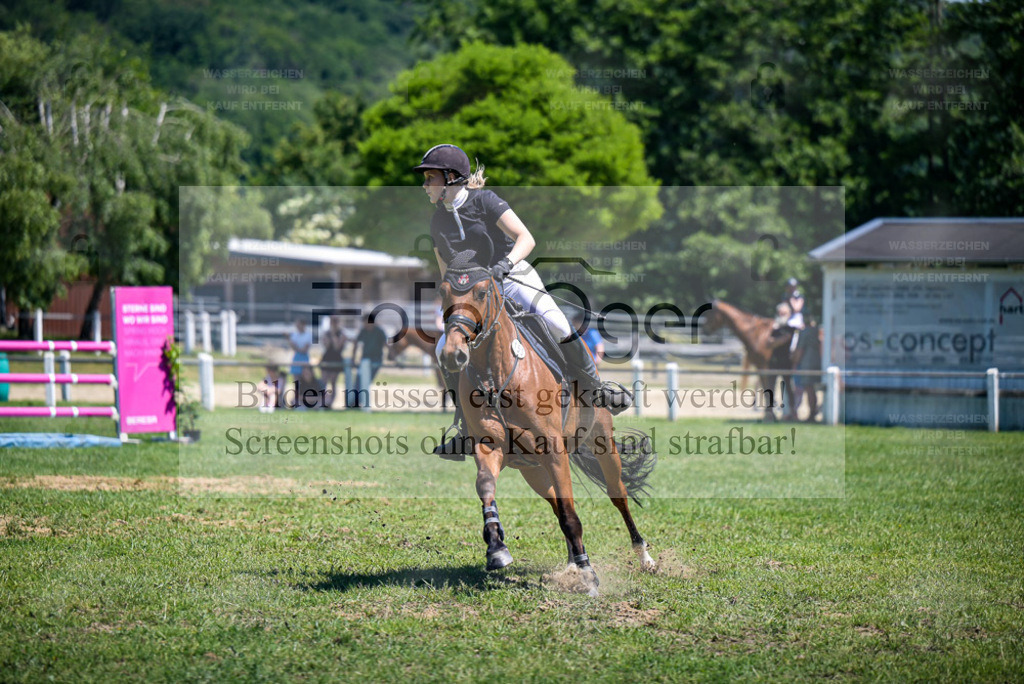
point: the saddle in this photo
(537, 333)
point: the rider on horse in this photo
(795, 301)
(469, 218)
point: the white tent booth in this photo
(925, 320)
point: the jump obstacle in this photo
(143, 321)
(49, 346)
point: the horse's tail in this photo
(636, 452)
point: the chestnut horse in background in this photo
(514, 418)
(767, 349)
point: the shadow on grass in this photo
(470, 578)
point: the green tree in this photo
(210, 217)
(323, 152)
(33, 261)
(986, 146)
(208, 52)
(114, 152)
(842, 68)
(518, 109)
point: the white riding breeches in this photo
(525, 287)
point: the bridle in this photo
(477, 332)
(484, 329)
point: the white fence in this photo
(834, 380)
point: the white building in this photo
(916, 312)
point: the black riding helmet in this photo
(446, 158)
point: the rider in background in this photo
(470, 218)
(795, 301)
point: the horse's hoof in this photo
(499, 559)
(590, 581)
(647, 563)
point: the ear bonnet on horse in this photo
(464, 272)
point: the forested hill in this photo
(258, 63)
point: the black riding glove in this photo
(501, 269)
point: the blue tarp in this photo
(55, 440)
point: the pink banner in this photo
(143, 321)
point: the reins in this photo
(574, 305)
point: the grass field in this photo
(111, 567)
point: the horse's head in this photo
(471, 301)
(712, 320)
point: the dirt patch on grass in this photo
(418, 611)
(89, 483)
(669, 564)
(245, 484)
(625, 614)
(14, 526)
(568, 579)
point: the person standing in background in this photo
(370, 345)
(300, 340)
(332, 362)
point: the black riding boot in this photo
(454, 449)
(610, 395)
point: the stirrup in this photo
(616, 397)
(452, 449)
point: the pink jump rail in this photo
(57, 411)
(57, 345)
(61, 378)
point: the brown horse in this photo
(412, 338)
(513, 414)
(767, 349)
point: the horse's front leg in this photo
(488, 465)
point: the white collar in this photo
(459, 200)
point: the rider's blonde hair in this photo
(477, 179)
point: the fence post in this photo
(65, 367)
(992, 384)
(638, 385)
(233, 336)
(97, 326)
(204, 331)
(190, 332)
(225, 343)
(672, 377)
(51, 388)
(206, 381)
(832, 384)
(38, 325)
